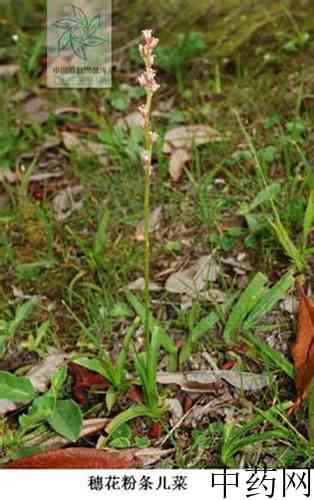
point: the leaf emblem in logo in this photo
(79, 32)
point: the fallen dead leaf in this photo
(78, 458)
(176, 410)
(35, 110)
(67, 201)
(178, 160)
(150, 456)
(7, 70)
(154, 223)
(202, 381)
(195, 279)
(202, 410)
(139, 284)
(179, 142)
(186, 137)
(88, 458)
(89, 427)
(303, 350)
(40, 376)
(66, 110)
(131, 120)
(84, 147)
(84, 379)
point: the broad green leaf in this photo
(308, 219)
(120, 443)
(103, 367)
(244, 305)
(41, 409)
(268, 300)
(67, 419)
(16, 389)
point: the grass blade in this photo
(246, 302)
(269, 299)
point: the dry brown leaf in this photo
(36, 110)
(139, 284)
(194, 280)
(89, 458)
(186, 137)
(7, 70)
(67, 201)
(202, 381)
(66, 110)
(175, 408)
(90, 427)
(154, 223)
(150, 456)
(131, 120)
(78, 458)
(178, 160)
(40, 375)
(84, 147)
(303, 350)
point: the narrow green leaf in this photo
(242, 308)
(111, 398)
(166, 341)
(101, 238)
(22, 314)
(126, 416)
(308, 219)
(67, 419)
(268, 300)
(287, 244)
(16, 389)
(275, 358)
(263, 196)
(58, 380)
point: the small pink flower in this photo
(142, 79)
(147, 35)
(153, 136)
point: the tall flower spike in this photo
(148, 82)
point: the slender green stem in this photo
(148, 149)
(146, 253)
